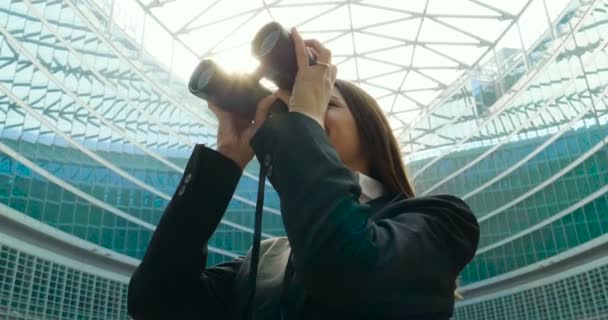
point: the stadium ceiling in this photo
(409, 54)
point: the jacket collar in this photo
(370, 188)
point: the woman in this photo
(358, 246)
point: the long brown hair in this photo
(377, 139)
(386, 164)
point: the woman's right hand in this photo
(234, 132)
(313, 84)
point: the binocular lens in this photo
(203, 78)
(240, 94)
(202, 75)
(269, 42)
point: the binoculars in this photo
(274, 48)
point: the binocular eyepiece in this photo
(274, 48)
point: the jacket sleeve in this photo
(340, 253)
(172, 282)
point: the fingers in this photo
(323, 54)
(300, 49)
(262, 110)
(217, 111)
(213, 108)
(284, 95)
(312, 50)
(334, 73)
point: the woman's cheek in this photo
(341, 140)
(332, 129)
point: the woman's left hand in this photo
(235, 132)
(313, 84)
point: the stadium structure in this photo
(502, 103)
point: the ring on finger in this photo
(325, 64)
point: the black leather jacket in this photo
(392, 258)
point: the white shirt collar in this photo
(370, 188)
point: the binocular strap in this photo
(257, 237)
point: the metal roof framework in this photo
(410, 55)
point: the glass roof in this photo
(407, 54)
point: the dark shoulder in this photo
(445, 216)
(432, 204)
(451, 219)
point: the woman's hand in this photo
(314, 84)
(234, 132)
